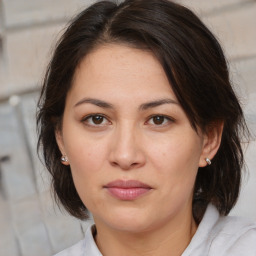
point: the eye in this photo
(159, 120)
(96, 120)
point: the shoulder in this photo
(223, 236)
(75, 250)
(233, 236)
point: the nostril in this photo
(114, 163)
(125, 165)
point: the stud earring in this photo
(208, 161)
(64, 159)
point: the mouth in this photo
(127, 190)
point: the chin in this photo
(131, 226)
(131, 221)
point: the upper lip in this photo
(126, 184)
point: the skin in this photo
(131, 139)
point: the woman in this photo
(139, 125)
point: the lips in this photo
(127, 189)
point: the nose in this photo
(127, 149)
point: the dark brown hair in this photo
(197, 71)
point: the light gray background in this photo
(29, 223)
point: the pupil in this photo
(158, 119)
(97, 119)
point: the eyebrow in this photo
(99, 103)
(157, 103)
(144, 106)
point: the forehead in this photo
(122, 69)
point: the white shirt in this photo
(216, 236)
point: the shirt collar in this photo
(91, 247)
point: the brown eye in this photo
(158, 120)
(97, 119)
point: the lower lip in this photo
(127, 194)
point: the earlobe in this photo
(59, 140)
(211, 144)
(208, 161)
(64, 160)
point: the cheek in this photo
(87, 157)
(176, 152)
(86, 162)
(176, 161)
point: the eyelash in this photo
(167, 120)
(85, 120)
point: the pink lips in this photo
(127, 189)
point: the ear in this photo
(211, 143)
(59, 140)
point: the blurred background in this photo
(30, 224)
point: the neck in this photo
(167, 239)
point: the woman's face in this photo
(133, 153)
